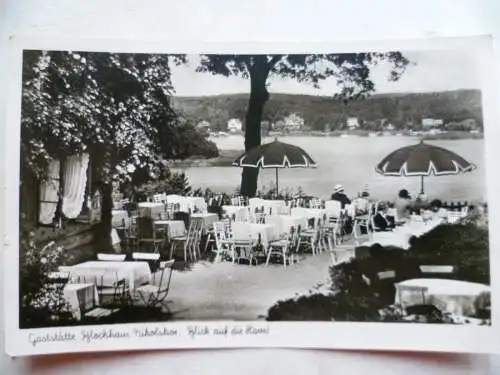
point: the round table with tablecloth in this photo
(449, 296)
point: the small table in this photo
(150, 209)
(240, 212)
(80, 298)
(136, 273)
(451, 296)
(174, 228)
(207, 219)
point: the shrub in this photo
(40, 303)
(320, 307)
(359, 295)
(464, 246)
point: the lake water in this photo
(351, 162)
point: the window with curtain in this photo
(64, 188)
(49, 194)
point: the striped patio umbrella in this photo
(275, 155)
(423, 160)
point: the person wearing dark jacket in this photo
(339, 195)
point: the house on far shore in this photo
(234, 125)
(293, 122)
(470, 125)
(352, 123)
(429, 123)
(389, 127)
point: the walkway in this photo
(226, 291)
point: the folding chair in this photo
(155, 294)
(91, 310)
(110, 285)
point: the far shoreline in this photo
(227, 156)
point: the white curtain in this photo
(75, 179)
(49, 194)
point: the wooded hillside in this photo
(317, 111)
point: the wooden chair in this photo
(197, 233)
(186, 240)
(221, 236)
(147, 234)
(284, 248)
(312, 236)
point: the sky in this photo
(429, 71)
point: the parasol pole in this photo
(277, 182)
(422, 184)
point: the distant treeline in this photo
(404, 111)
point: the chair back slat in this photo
(146, 256)
(164, 266)
(436, 269)
(111, 257)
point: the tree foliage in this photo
(116, 107)
(351, 71)
(101, 103)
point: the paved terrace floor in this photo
(226, 291)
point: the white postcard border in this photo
(338, 335)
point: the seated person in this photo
(382, 221)
(339, 195)
(403, 205)
(362, 203)
(435, 205)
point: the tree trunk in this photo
(259, 71)
(106, 214)
(105, 158)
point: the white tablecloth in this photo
(135, 273)
(308, 213)
(277, 207)
(333, 208)
(240, 212)
(175, 228)
(284, 223)
(244, 231)
(400, 236)
(188, 204)
(151, 209)
(452, 296)
(208, 219)
(80, 296)
(119, 217)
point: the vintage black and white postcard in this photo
(323, 195)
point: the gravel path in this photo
(226, 291)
